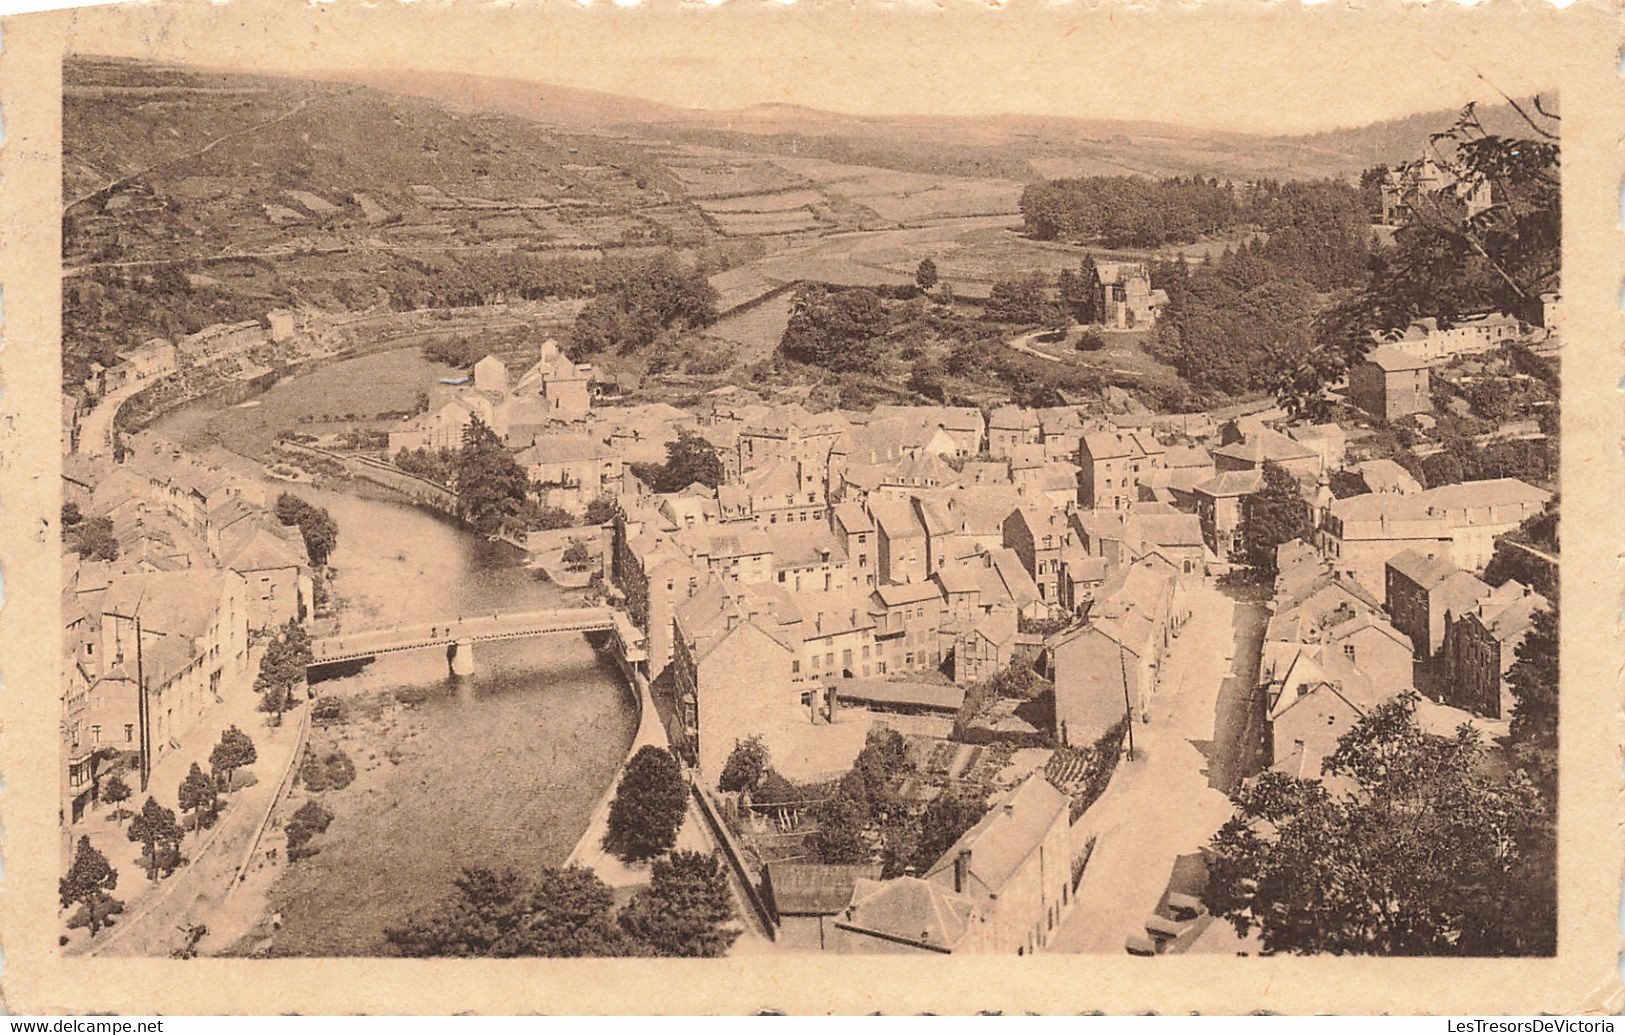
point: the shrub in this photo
(331, 771)
(311, 819)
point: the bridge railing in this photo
(531, 623)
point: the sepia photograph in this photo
(639, 507)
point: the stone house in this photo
(570, 471)
(855, 531)
(731, 673)
(192, 651)
(1008, 429)
(986, 647)
(907, 915)
(1038, 537)
(907, 625)
(1423, 592)
(1111, 666)
(1111, 466)
(1015, 866)
(1390, 384)
(1220, 511)
(1261, 445)
(1481, 644)
(1123, 297)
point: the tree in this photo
(685, 910)
(746, 767)
(321, 535)
(1021, 300)
(690, 459)
(491, 486)
(833, 329)
(1273, 515)
(1091, 341)
(601, 511)
(925, 275)
(925, 378)
(649, 300)
(1442, 468)
(197, 795)
(234, 751)
(283, 667)
(1427, 854)
(575, 556)
(95, 540)
(116, 792)
(155, 829)
(648, 807)
(1533, 680)
(563, 912)
(316, 526)
(842, 833)
(943, 822)
(88, 883)
(308, 820)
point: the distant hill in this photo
(1399, 140)
(541, 102)
(1017, 147)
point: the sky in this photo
(1253, 67)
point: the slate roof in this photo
(814, 889)
(910, 909)
(1008, 833)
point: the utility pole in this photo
(1128, 706)
(143, 708)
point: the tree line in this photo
(1139, 212)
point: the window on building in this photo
(795, 667)
(1348, 651)
(95, 734)
(129, 733)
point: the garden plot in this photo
(743, 224)
(778, 201)
(937, 198)
(717, 179)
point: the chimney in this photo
(961, 870)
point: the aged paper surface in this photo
(446, 174)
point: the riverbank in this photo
(501, 769)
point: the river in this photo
(499, 769)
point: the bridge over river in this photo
(457, 636)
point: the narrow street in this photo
(96, 427)
(1162, 804)
(153, 920)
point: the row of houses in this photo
(156, 637)
(1469, 628)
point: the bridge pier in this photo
(461, 657)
